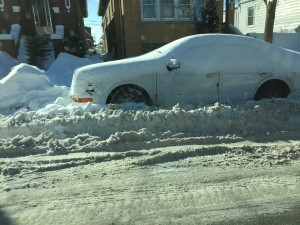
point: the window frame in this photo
(142, 11)
(190, 10)
(176, 6)
(250, 17)
(166, 4)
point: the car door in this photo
(243, 68)
(186, 79)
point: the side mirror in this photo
(173, 64)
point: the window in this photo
(168, 9)
(198, 7)
(148, 47)
(42, 16)
(250, 21)
(149, 9)
(184, 9)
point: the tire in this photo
(128, 93)
(272, 89)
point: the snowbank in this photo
(61, 70)
(28, 87)
(113, 129)
(6, 63)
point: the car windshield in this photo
(149, 112)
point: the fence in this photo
(285, 40)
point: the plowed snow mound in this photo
(111, 129)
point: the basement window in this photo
(148, 47)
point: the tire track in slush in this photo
(201, 205)
(202, 201)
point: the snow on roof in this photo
(5, 37)
(14, 34)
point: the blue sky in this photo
(93, 20)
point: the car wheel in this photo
(272, 89)
(127, 94)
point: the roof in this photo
(102, 7)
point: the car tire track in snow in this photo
(177, 192)
(230, 154)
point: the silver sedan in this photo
(198, 69)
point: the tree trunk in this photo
(270, 18)
(227, 13)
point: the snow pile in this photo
(61, 70)
(6, 63)
(27, 86)
(113, 129)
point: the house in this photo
(134, 27)
(251, 15)
(52, 19)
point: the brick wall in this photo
(131, 33)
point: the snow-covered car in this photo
(198, 69)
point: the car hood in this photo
(122, 67)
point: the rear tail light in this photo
(82, 100)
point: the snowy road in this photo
(174, 185)
(220, 164)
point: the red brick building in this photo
(31, 18)
(133, 27)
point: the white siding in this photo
(287, 18)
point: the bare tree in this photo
(270, 18)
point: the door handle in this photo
(210, 75)
(263, 73)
